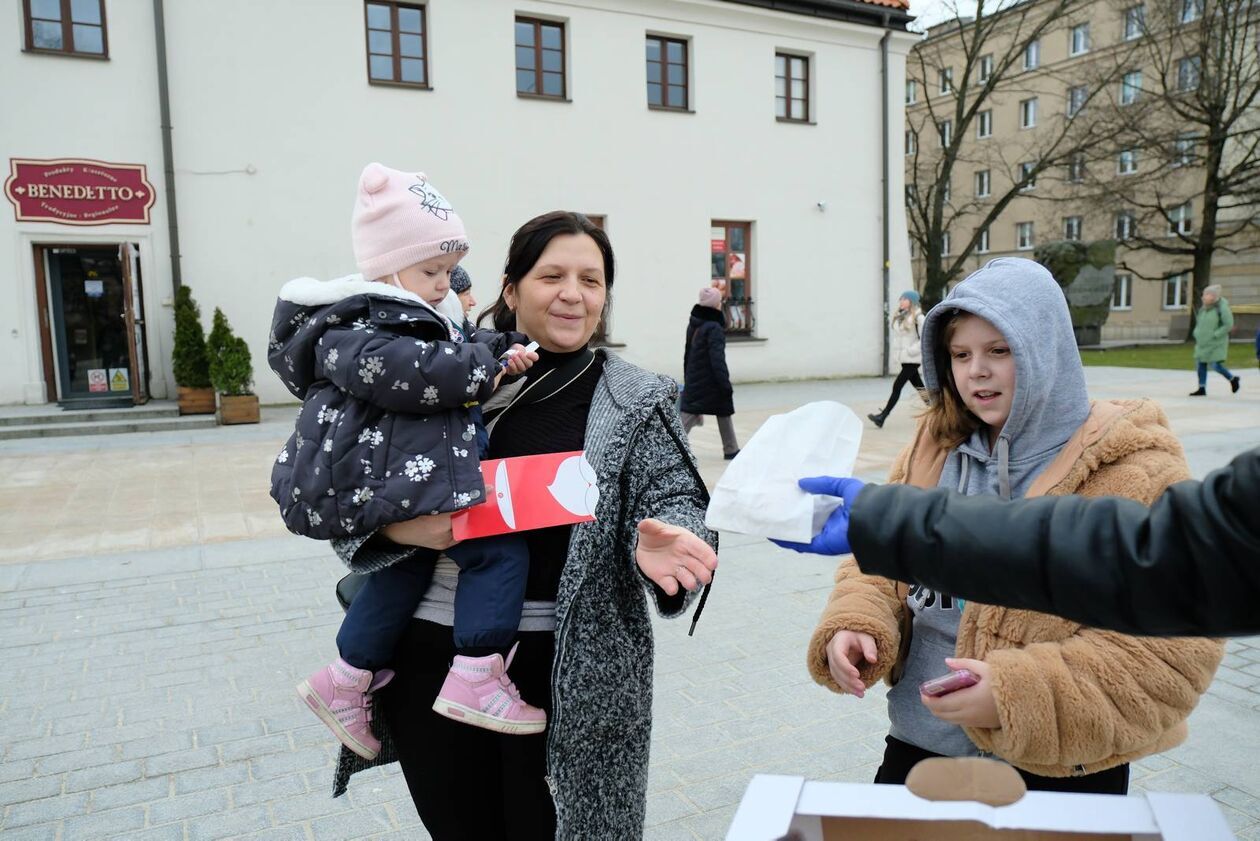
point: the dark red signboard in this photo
(78, 191)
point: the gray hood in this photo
(1023, 301)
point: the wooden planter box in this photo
(196, 401)
(242, 409)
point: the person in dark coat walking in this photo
(706, 381)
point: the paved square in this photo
(157, 616)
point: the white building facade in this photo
(742, 142)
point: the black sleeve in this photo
(1189, 565)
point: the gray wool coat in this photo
(601, 721)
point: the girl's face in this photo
(984, 370)
(466, 300)
(559, 302)
(429, 280)
(903, 303)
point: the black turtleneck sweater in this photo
(556, 424)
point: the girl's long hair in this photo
(949, 420)
(528, 244)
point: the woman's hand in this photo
(431, 531)
(673, 557)
(845, 651)
(974, 706)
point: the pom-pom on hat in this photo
(401, 219)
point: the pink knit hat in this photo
(710, 297)
(400, 219)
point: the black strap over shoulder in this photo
(704, 494)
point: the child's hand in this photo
(974, 706)
(520, 360)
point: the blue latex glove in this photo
(834, 537)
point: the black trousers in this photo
(466, 782)
(909, 374)
(900, 757)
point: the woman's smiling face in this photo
(560, 300)
(984, 370)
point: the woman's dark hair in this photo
(949, 420)
(528, 244)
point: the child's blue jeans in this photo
(1218, 367)
(492, 573)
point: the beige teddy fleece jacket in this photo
(1072, 700)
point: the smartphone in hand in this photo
(945, 684)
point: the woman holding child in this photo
(583, 648)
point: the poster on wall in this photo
(97, 380)
(119, 379)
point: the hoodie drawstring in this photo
(1004, 465)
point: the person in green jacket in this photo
(1211, 338)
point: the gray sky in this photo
(930, 12)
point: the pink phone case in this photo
(945, 684)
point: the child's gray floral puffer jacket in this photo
(384, 433)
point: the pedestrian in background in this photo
(706, 381)
(1211, 339)
(906, 326)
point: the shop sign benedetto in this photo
(79, 191)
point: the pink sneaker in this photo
(478, 691)
(341, 696)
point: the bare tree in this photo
(1196, 134)
(963, 67)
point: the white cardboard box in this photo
(774, 806)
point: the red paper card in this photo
(531, 492)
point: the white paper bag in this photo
(758, 494)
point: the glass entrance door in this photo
(90, 298)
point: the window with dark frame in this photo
(730, 247)
(397, 48)
(1122, 293)
(791, 87)
(540, 58)
(70, 27)
(667, 72)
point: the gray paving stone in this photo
(20, 791)
(668, 806)
(219, 777)
(184, 760)
(186, 807)
(102, 776)
(44, 832)
(303, 807)
(129, 794)
(21, 769)
(45, 746)
(283, 764)
(46, 810)
(361, 823)
(74, 760)
(115, 824)
(236, 823)
(157, 743)
(265, 791)
(254, 747)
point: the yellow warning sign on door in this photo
(119, 380)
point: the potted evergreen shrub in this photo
(190, 361)
(232, 373)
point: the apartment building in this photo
(1086, 63)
